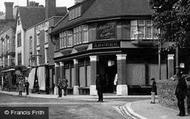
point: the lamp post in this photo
(159, 58)
(177, 59)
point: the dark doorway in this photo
(107, 68)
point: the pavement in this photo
(137, 110)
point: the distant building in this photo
(41, 47)
(7, 46)
(26, 18)
(107, 37)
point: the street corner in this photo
(127, 111)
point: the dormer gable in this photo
(75, 12)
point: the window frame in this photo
(135, 30)
(19, 39)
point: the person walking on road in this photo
(181, 92)
(153, 91)
(99, 88)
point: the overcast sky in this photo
(59, 3)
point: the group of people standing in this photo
(62, 85)
(180, 92)
(22, 84)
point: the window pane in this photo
(70, 40)
(133, 32)
(60, 41)
(79, 10)
(85, 33)
(134, 23)
(148, 34)
(19, 59)
(133, 29)
(148, 23)
(85, 36)
(80, 35)
(18, 39)
(141, 32)
(141, 22)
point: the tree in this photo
(172, 17)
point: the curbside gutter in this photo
(128, 108)
(126, 111)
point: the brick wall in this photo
(166, 94)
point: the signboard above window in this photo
(106, 31)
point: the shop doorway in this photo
(107, 68)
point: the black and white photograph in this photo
(94, 59)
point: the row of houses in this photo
(105, 37)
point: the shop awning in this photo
(7, 70)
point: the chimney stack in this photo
(28, 2)
(8, 10)
(50, 8)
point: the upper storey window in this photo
(63, 39)
(85, 33)
(75, 12)
(19, 40)
(18, 21)
(143, 29)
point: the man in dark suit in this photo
(181, 92)
(27, 87)
(99, 87)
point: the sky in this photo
(59, 3)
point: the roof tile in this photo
(99, 9)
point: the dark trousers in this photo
(181, 106)
(65, 91)
(27, 90)
(60, 92)
(100, 95)
(20, 93)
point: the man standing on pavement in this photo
(180, 92)
(99, 88)
(65, 85)
(20, 84)
(153, 90)
(27, 87)
(115, 82)
(60, 87)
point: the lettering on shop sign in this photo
(106, 30)
(106, 44)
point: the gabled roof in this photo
(31, 15)
(101, 9)
(34, 15)
(6, 25)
